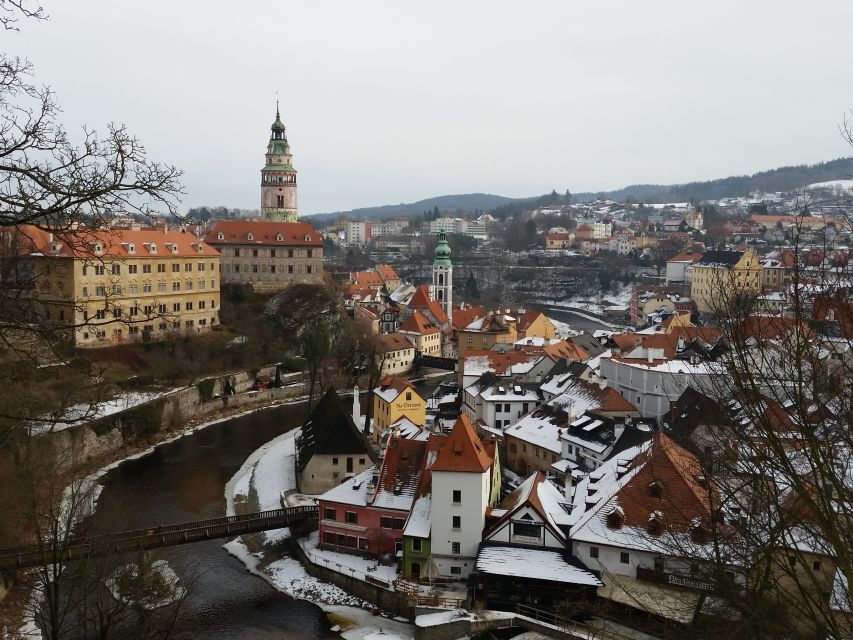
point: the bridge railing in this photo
(161, 535)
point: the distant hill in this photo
(464, 202)
(781, 179)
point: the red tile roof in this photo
(463, 317)
(263, 233)
(366, 279)
(115, 243)
(500, 362)
(386, 342)
(524, 320)
(686, 257)
(463, 451)
(386, 272)
(420, 324)
(421, 300)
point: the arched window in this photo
(440, 279)
(440, 295)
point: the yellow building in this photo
(104, 287)
(721, 275)
(393, 399)
(534, 324)
(423, 333)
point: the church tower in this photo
(278, 177)
(442, 275)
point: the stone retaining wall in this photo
(391, 602)
(80, 445)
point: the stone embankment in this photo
(113, 436)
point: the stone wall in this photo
(79, 445)
(392, 602)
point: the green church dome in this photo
(442, 251)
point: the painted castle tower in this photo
(278, 177)
(442, 275)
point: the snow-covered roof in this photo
(537, 429)
(539, 564)
(508, 393)
(419, 522)
(352, 490)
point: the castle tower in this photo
(442, 275)
(278, 177)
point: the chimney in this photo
(568, 489)
(356, 406)
(618, 430)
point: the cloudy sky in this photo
(394, 101)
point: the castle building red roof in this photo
(263, 232)
(418, 323)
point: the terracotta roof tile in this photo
(263, 233)
(421, 300)
(463, 451)
(420, 324)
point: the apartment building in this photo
(109, 286)
(268, 256)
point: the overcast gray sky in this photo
(394, 101)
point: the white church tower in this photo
(442, 275)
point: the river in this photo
(575, 321)
(184, 480)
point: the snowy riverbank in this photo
(259, 484)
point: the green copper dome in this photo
(442, 251)
(278, 125)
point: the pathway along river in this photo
(185, 480)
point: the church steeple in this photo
(278, 177)
(442, 275)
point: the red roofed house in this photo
(105, 286)
(465, 482)
(395, 353)
(532, 323)
(389, 277)
(423, 333)
(269, 256)
(557, 240)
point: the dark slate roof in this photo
(693, 408)
(588, 343)
(330, 430)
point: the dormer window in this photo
(279, 237)
(250, 236)
(307, 238)
(220, 236)
(615, 519)
(656, 489)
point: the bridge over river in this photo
(153, 537)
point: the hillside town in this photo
(601, 476)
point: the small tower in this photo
(442, 275)
(278, 177)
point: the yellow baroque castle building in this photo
(103, 287)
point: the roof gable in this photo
(463, 451)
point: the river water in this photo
(185, 480)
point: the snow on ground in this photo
(344, 562)
(564, 329)
(275, 462)
(81, 413)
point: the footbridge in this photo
(154, 537)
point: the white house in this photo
(465, 481)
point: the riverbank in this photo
(17, 621)
(258, 485)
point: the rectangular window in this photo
(146, 268)
(385, 522)
(308, 269)
(362, 544)
(146, 287)
(416, 544)
(161, 308)
(455, 548)
(190, 285)
(457, 522)
(99, 270)
(161, 287)
(329, 537)
(131, 268)
(116, 270)
(161, 268)
(399, 523)
(334, 461)
(254, 268)
(148, 309)
(188, 266)
(176, 307)
(456, 571)
(290, 253)
(352, 517)
(254, 253)
(176, 286)
(189, 306)
(457, 496)
(272, 268)
(202, 304)
(290, 268)
(498, 408)
(84, 269)
(361, 461)
(133, 311)
(85, 292)
(593, 552)
(624, 557)
(176, 268)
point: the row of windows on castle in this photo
(148, 310)
(115, 268)
(101, 290)
(271, 253)
(148, 328)
(290, 178)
